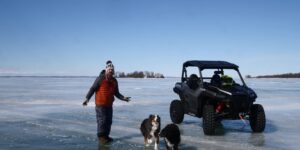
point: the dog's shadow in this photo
(184, 147)
(128, 137)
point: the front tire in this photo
(209, 122)
(176, 111)
(257, 118)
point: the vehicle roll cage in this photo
(202, 65)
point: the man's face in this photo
(110, 72)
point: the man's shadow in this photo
(120, 142)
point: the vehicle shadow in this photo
(227, 129)
(219, 128)
(187, 122)
(227, 126)
(239, 126)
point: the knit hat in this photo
(109, 65)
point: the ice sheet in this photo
(46, 113)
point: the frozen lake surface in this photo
(46, 113)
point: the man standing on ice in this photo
(105, 88)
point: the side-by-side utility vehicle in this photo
(214, 91)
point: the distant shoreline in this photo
(286, 76)
(41, 76)
(37, 76)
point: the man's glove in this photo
(127, 99)
(85, 102)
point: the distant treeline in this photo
(286, 75)
(139, 74)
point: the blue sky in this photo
(76, 37)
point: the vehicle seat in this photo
(193, 81)
(215, 80)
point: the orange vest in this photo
(105, 93)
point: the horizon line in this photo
(65, 76)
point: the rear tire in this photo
(176, 111)
(209, 122)
(257, 118)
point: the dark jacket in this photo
(96, 86)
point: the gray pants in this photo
(104, 120)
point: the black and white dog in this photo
(171, 134)
(150, 129)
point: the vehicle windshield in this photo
(210, 74)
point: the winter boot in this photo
(104, 140)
